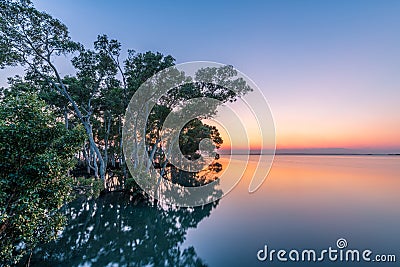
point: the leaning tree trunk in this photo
(121, 155)
(107, 121)
(66, 120)
(60, 86)
(93, 144)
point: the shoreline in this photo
(314, 154)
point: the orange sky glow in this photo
(300, 129)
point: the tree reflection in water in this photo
(115, 231)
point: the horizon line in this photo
(316, 150)
(315, 154)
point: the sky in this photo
(330, 70)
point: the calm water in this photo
(307, 202)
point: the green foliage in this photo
(141, 66)
(36, 153)
(37, 150)
(28, 36)
(193, 133)
(98, 94)
(89, 187)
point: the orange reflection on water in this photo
(342, 183)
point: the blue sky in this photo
(329, 69)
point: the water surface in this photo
(307, 202)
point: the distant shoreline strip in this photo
(317, 154)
